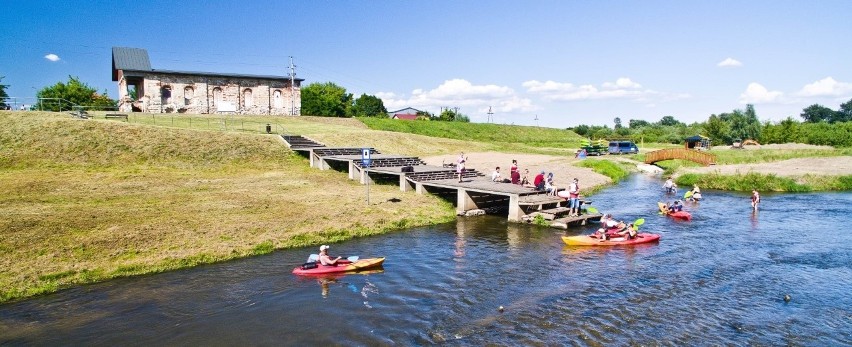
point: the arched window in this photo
(247, 101)
(166, 95)
(188, 93)
(217, 96)
(277, 99)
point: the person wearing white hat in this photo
(324, 258)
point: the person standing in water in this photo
(755, 199)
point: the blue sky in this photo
(563, 62)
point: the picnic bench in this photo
(82, 114)
(116, 115)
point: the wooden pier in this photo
(474, 192)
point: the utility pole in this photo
(490, 115)
(536, 120)
(292, 87)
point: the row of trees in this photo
(822, 126)
(330, 100)
(61, 96)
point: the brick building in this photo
(143, 89)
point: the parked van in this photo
(623, 147)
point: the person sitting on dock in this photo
(324, 259)
(515, 176)
(495, 176)
(549, 187)
(525, 179)
(538, 182)
(514, 166)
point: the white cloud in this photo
(756, 94)
(622, 88)
(463, 94)
(826, 87)
(52, 57)
(729, 62)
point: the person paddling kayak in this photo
(324, 258)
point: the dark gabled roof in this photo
(403, 109)
(695, 138)
(219, 74)
(126, 58)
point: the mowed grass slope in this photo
(87, 200)
(502, 137)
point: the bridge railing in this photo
(680, 153)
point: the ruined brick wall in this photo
(178, 93)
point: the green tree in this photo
(424, 115)
(582, 130)
(325, 100)
(64, 96)
(669, 121)
(3, 94)
(452, 115)
(617, 122)
(368, 106)
(717, 130)
(844, 114)
(637, 123)
(817, 113)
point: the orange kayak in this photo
(591, 240)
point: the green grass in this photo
(771, 155)
(503, 136)
(766, 182)
(89, 200)
(613, 170)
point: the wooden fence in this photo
(680, 153)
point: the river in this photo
(720, 279)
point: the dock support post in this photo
(404, 184)
(515, 212)
(464, 202)
(420, 189)
(311, 155)
(323, 165)
(351, 169)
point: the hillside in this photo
(87, 200)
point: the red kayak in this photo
(592, 240)
(679, 214)
(341, 266)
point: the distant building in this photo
(402, 112)
(404, 116)
(143, 89)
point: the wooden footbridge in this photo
(474, 192)
(703, 158)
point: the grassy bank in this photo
(503, 138)
(88, 200)
(614, 170)
(766, 182)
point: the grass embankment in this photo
(88, 200)
(759, 181)
(614, 170)
(766, 182)
(502, 138)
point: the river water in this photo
(720, 279)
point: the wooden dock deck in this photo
(475, 191)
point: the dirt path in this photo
(830, 166)
(562, 168)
